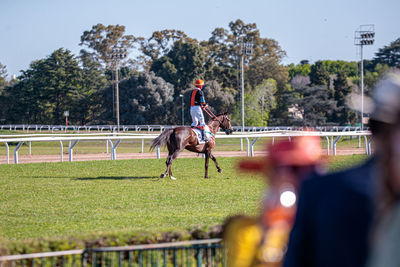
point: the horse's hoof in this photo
(162, 175)
(172, 178)
(220, 170)
(206, 177)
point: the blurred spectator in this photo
(336, 211)
(261, 241)
(385, 126)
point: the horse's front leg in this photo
(216, 163)
(207, 153)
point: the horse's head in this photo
(225, 123)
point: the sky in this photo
(308, 29)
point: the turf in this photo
(53, 200)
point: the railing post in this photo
(111, 145)
(334, 145)
(8, 152)
(199, 257)
(71, 149)
(113, 149)
(16, 152)
(142, 146)
(158, 152)
(369, 145)
(61, 151)
(248, 146)
(30, 148)
(327, 145)
(252, 146)
(84, 258)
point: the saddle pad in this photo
(198, 134)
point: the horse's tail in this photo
(162, 139)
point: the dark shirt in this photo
(333, 219)
(197, 98)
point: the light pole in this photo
(66, 115)
(183, 114)
(363, 36)
(246, 49)
(117, 54)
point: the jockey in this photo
(197, 102)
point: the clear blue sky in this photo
(307, 29)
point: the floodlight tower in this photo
(363, 36)
(117, 54)
(246, 49)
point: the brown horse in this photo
(180, 138)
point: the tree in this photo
(344, 115)
(223, 48)
(48, 88)
(3, 83)
(3, 76)
(219, 99)
(144, 99)
(300, 69)
(181, 66)
(258, 104)
(87, 108)
(335, 66)
(101, 39)
(319, 75)
(389, 55)
(313, 105)
(159, 45)
(299, 81)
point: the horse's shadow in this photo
(116, 178)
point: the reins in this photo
(211, 114)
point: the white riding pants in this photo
(197, 116)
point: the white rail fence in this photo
(151, 128)
(115, 139)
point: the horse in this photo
(180, 138)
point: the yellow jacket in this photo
(249, 244)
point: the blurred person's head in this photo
(385, 127)
(294, 159)
(286, 164)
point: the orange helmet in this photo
(199, 83)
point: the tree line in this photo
(154, 83)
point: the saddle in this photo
(199, 135)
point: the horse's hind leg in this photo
(216, 163)
(169, 163)
(207, 153)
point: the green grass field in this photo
(57, 200)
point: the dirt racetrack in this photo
(107, 156)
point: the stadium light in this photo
(245, 49)
(363, 36)
(117, 54)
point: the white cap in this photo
(387, 99)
